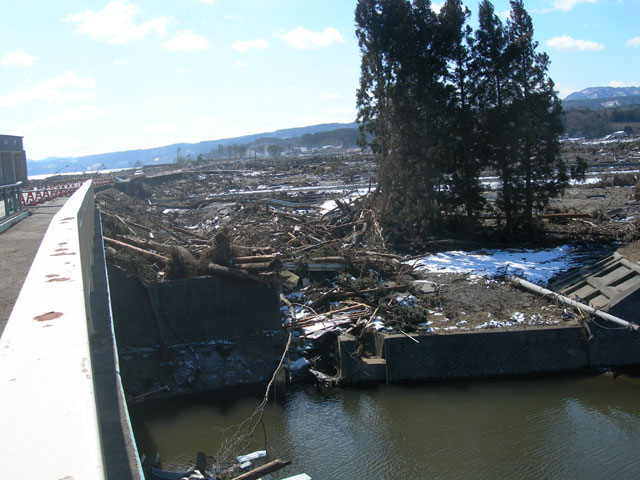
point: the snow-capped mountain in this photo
(594, 93)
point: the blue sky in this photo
(83, 77)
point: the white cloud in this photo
(208, 2)
(331, 96)
(564, 92)
(68, 86)
(179, 99)
(115, 23)
(436, 7)
(618, 84)
(304, 39)
(240, 64)
(82, 112)
(568, 43)
(186, 42)
(233, 17)
(566, 5)
(161, 128)
(633, 42)
(121, 61)
(19, 59)
(244, 45)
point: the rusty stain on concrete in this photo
(62, 253)
(61, 279)
(48, 316)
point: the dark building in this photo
(13, 160)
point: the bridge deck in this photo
(18, 247)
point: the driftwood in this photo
(256, 259)
(215, 269)
(189, 233)
(250, 251)
(259, 267)
(137, 225)
(542, 215)
(166, 229)
(151, 255)
(264, 470)
(144, 244)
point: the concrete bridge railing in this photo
(62, 408)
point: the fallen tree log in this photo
(264, 470)
(259, 267)
(256, 259)
(215, 269)
(542, 215)
(151, 255)
(144, 244)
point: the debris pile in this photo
(308, 227)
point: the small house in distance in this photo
(13, 160)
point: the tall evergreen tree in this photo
(442, 103)
(400, 79)
(376, 80)
(496, 130)
(463, 164)
(537, 112)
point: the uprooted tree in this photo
(439, 104)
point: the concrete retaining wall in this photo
(492, 353)
(190, 310)
(194, 334)
(481, 354)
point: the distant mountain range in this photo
(598, 98)
(604, 92)
(168, 153)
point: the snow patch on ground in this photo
(329, 205)
(537, 266)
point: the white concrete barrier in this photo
(49, 425)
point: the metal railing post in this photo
(11, 199)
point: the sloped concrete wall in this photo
(190, 310)
(196, 334)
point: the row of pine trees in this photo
(441, 103)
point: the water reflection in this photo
(569, 427)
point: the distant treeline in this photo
(341, 137)
(598, 123)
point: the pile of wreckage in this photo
(313, 233)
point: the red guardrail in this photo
(31, 198)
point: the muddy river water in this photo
(568, 427)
